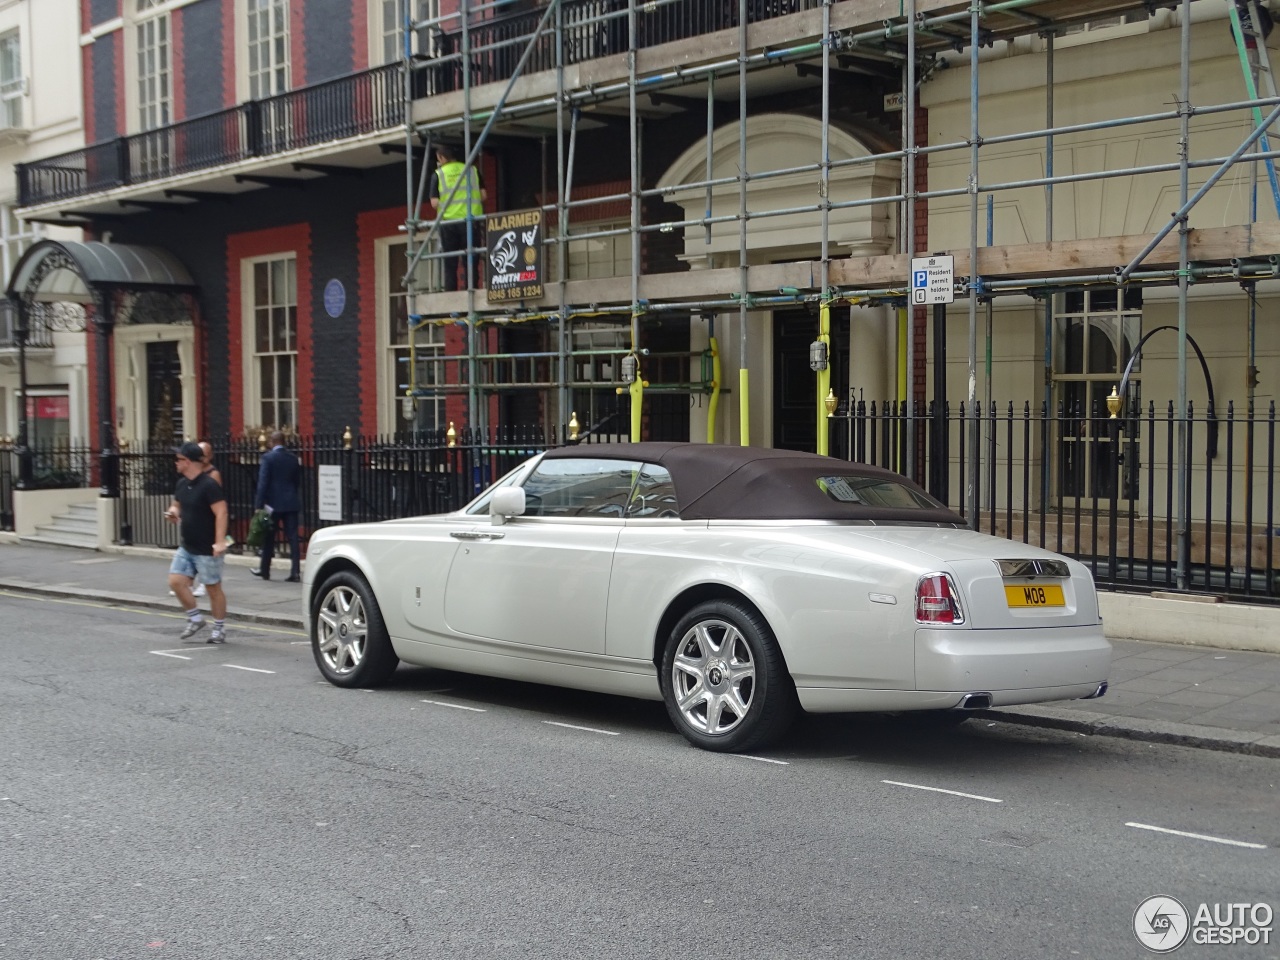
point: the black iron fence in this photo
(1106, 491)
(344, 479)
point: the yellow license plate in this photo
(1035, 595)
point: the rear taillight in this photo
(937, 600)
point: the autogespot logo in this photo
(1161, 924)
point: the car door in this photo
(542, 579)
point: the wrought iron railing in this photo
(346, 107)
(1104, 491)
(38, 334)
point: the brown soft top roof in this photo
(714, 481)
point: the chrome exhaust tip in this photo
(1100, 692)
(975, 701)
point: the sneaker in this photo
(218, 636)
(199, 591)
(260, 574)
(191, 629)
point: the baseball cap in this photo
(191, 451)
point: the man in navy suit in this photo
(278, 481)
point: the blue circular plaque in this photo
(335, 298)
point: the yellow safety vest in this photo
(466, 200)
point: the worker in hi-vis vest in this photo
(454, 213)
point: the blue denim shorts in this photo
(208, 569)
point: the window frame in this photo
(244, 76)
(13, 91)
(390, 411)
(251, 356)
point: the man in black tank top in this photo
(200, 510)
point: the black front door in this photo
(794, 382)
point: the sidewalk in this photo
(1198, 696)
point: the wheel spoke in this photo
(715, 710)
(692, 697)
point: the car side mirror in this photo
(506, 502)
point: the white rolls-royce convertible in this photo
(739, 585)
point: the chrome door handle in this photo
(475, 535)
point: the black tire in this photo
(724, 681)
(348, 638)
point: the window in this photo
(11, 82)
(1103, 23)
(15, 236)
(273, 325)
(1095, 332)
(267, 33)
(592, 257)
(153, 85)
(580, 488)
(155, 98)
(388, 29)
(402, 413)
(654, 494)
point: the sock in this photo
(217, 625)
(194, 615)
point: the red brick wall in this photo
(371, 226)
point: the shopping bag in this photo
(258, 527)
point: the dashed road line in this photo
(456, 706)
(954, 793)
(1199, 836)
(747, 756)
(574, 726)
(236, 666)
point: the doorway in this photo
(795, 390)
(164, 392)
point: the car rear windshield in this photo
(874, 492)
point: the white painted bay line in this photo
(236, 666)
(180, 653)
(747, 756)
(1199, 836)
(954, 793)
(574, 726)
(456, 706)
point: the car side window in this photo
(580, 488)
(654, 494)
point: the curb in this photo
(1147, 731)
(133, 600)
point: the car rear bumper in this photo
(1013, 666)
(1011, 660)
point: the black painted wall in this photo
(202, 56)
(197, 234)
(327, 39)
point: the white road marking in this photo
(1199, 836)
(180, 653)
(747, 756)
(954, 793)
(574, 726)
(236, 666)
(97, 560)
(299, 643)
(456, 706)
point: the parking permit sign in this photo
(932, 280)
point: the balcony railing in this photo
(373, 100)
(349, 106)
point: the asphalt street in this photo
(192, 801)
